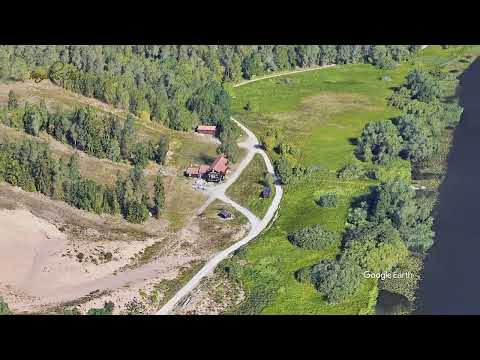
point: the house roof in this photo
(206, 128)
(220, 164)
(192, 170)
(203, 169)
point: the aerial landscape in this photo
(239, 179)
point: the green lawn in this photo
(320, 112)
(246, 190)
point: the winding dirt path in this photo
(283, 74)
(257, 225)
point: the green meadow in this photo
(246, 190)
(321, 113)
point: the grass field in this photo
(320, 112)
(246, 190)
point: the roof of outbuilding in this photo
(206, 127)
(225, 213)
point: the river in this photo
(451, 277)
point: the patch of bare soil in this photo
(53, 254)
(319, 108)
(336, 102)
(215, 294)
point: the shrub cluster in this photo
(313, 237)
(328, 201)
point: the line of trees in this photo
(30, 166)
(85, 129)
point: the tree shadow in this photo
(204, 158)
(353, 141)
(395, 88)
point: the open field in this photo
(319, 112)
(246, 190)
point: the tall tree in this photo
(159, 197)
(12, 100)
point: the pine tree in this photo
(12, 100)
(159, 195)
(58, 179)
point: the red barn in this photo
(207, 129)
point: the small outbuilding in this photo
(224, 214)
(207, 129)
(266, 192)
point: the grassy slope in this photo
(246, 190)
(186, 147)
(320, 112)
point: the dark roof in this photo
(224, 213)
(266, 191)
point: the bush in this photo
(423, 85)
(336, 280)
(71, 311)
(106, 310)
(304, 275)
(405, 286)
(348, 172)
(313, 237)
(4, 310)
(256, 301)
(328, 200)
(249, 107)
(135, 307)
(137, 212)
(375, 247)
(284, 170)
(379, 142)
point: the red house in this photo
(214, 172)
(218, 169)
(207, 129)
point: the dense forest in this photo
(179, 86)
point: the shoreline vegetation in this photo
(391, 157)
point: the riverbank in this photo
(451, 268)
(431, 179)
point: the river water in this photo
(451, 277)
